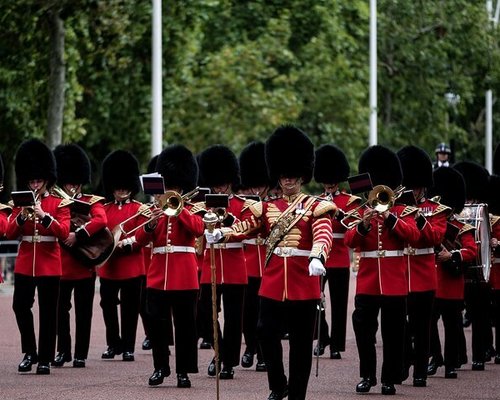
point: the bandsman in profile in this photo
(38, 264)
(88, 220)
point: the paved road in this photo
(115, 379)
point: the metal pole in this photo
(488, 148)
(157, 105)
(373, 72)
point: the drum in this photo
(477, 215)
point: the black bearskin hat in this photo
(496, 161)
(449, 184)
(416, 166)
(476, 179)
(152, 165)
(120, 170)
(73, 164)
(494, 195)
(383, 166)
(34, 160)
(290, 154)
(178, 167)
(253, 166)
(218, 166)
(1, 170)
(330, 165)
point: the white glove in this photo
(214, 236)
(316, 268)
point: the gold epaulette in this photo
(442, 208)
(465, 228)
(11, 203)
(408, 211)
(323, 207)
(95, 199)
(237, 196)
(352, 199)
(198, 207)
(64, 203)
(248, 203)
(494, 219)
(256, 208)
(5, 207)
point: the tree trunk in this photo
(56, 80)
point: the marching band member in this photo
(5, 211)
(256, 182)
(420, 260)
(73, 171)
(381, 280)
(494, 209)
(330, 169)
(477, 291)
(121, 275)
(299, 232)
(219, 170)
(38, 264)
(458, 248)
(172, 280)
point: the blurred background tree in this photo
(234, 70)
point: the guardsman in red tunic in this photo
(381, 285)
(457, 249)
(172, 280)
(5, 210)
(78, 276)
(219, 170)
(420, 260)
(38, 264)
(121, 275)
(477, 290)
(330, 169)
(299, 236)
(494, 209)
(255, 182)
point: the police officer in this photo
(443, 156)
(330, 169)
(38, 264)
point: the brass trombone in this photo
(381, 198)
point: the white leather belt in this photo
(38, 238)
(255, 242)
(381, 253)
(227, 246)
(173, 249)
(410, 251)
(338, 235)
(291, 252)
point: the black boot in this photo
(388, 389)
(365, 385)
(158, 376)
(434, 364)
(60, 359)
(183, 381)
(27, 362)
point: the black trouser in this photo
(338, 285)
(365, 323)
(418, 332)
(477, 295)
(251, 316)
(143, 309)
(496, 318)
(230, 340)
(204, 318)
(451, 313)
(84, 299)
(24, 297)
(298, 317)
(181, 304)
(129, 291)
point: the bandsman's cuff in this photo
(319, 251)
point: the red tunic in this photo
(339, 255)
(41, 258)
(171, 268)
(71, 267)
(495, 262)
(384, 275)
(449, 286)
(123, 264)
(229, 257)
(421, 268)
(4, 215)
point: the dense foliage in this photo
(234, 70)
